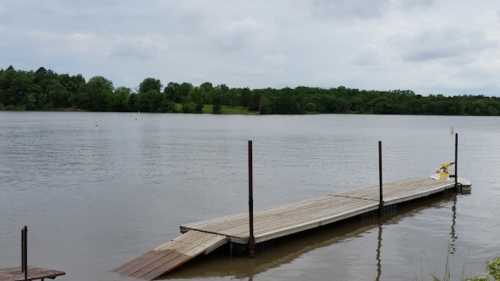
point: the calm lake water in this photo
(97, 189)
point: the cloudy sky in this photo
(430, 46)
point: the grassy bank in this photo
(493, 268)
(227, 109)
(493, 273)
(209, 108)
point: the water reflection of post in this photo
(379, 250)
(453, 238)
(453, 235)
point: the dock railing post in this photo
(456, 161)
(24, 252)
(251, 237)
(380, 182)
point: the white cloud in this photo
(424, 45)
(448, 44)
(143, 47)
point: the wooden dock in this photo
(203, 237)
(34, 273)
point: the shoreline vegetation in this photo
(45, 90)
(492, 268)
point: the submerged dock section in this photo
(252, 228)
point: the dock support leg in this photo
(251, 238)
(456, 161)
(380, 182)
(24, 252)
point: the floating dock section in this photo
(249, 229)
(312, 213)
(201, 238)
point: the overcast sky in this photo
(430, 46)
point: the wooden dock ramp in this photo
(171, 255)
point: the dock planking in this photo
(203, 237)
(171, 255)
(311, 213)
(34, 273)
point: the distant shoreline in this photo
(44, 89)
(69, 110)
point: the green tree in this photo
(120, 100)
(98, 91)
(150, 84)
(167, 106)
(217, 104)
(188, 107)
(44, 89)
(310, 107)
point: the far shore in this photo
(227, 110)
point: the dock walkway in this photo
(205, 236)
(311, 213)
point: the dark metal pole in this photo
(24, 252)
(251, 238)
(456, 160)
(22, 249)
(381, 199)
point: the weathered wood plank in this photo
(171, 255)
(310, 213)
(34, 273)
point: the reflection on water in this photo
(287, 250)
(453, 235)
(453, 238)
(379, 252)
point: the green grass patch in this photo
(207, 108)
(493, 268)
(225, 109)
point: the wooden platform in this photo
(205, 236)
(34, 273)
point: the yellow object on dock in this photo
(443, 172)
(205, 236)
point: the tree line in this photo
(44, 89)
